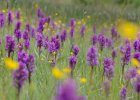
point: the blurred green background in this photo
(99, 10)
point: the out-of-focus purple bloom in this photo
(82, 30)
(136, 84)
(126, 53)
(106, 87)
(18, 25)
(26, 35)
(92, 56)
(30, 66)
(20, 47)
(45, 42)
(72, 62)
(101, 41)
(123, 93)
(75, 50)
(28, 27)
(18, 15)
(72, 22)
(40, 27)
(2, 19)
(10, 44)
(137, 56)
(22, 57)
(20, 76)
(94, 39)
(136, 45)
(18, 35)
(27, 44)
(39, 38)
(68, 91)
(108, 68)
(114, 33)
(109, 43)
(63, 36)
(10, 18)
(131, 73)
(51, 47)
(33, 32)
(40, 14)
(114, 53)
(72, 30)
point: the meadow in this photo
(69, 50)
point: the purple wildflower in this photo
(10, 18)
(63, 36)
(123, 93)
(40, 14)
(45, 42)
(92, 56)
(18, 35)
(75, 50)
(137, 84)
(10, 44)
(2, 19)
(18, 25)
(28, 27)
(72, 30)
(106, 87)
(137, 56)
(27, 44)
(72, 22)
(136, 45)
(26, 35)
(131, 73)
(18, 15)
(114, 54)
(68, 91)
(108, 68)
(101, 41)
(19, 77)
(126, 54)
(22, 57)
(109, 43)
(94, 39)
(30, 66)
(114, 33)
(72, 62)
(82, 30)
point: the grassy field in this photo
(103, 15)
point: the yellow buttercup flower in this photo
(42, 59)
(83, 80)
(57, 73)
(138, 71)
(71, 53)
(11, 64)
(135, 62)
(67, 70)
(128, 29)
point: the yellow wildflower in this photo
(11, 64)
(57, 73)
(54, 53)
(83, 80)
(71, 53)
(138, 71)
(67, 70)
(135, 62)
(128, 29)
(42, 58)
(3, 10)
